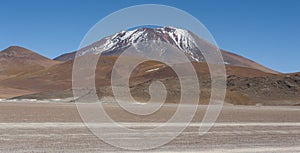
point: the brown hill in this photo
(18, 61)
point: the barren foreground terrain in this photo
(57, 127)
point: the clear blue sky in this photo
(266, 31)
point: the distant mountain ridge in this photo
(25, 74)
(42, 78)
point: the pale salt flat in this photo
(74, 137)
(56, 127)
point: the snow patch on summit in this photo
(179, 38)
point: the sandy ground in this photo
(57, 127)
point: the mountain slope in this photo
(65, 57)
(238, 60)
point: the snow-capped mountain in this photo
(115, 44)
(181, 39)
